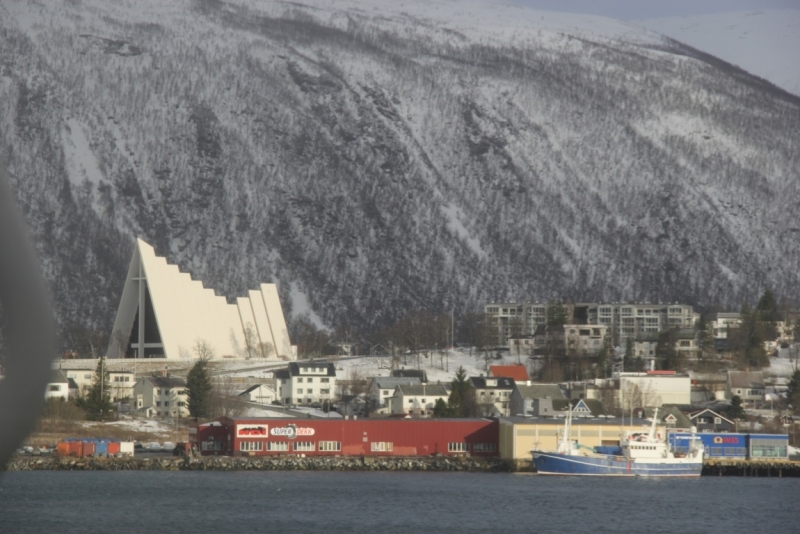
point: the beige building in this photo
(161, 396)
(417, 400)
(164, 313)
(520, 435)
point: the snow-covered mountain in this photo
(373, 157)
(765, 43)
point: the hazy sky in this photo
(646, 9)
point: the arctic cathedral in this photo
(163, 313)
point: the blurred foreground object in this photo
(28, 330)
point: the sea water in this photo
(333, 502)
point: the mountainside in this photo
(764, 43)
(375, 157)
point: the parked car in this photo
(316, 405)
(154, 446)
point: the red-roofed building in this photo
(518, 372)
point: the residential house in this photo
(306, 382)
(161, 395)
(353, 405)
(57, 386)
(381, 391)
(582, 340)
(121, 384)
(493, 395)
(418, 400)
(710, 421)
(524, 397)
(708, 387)
(83, 378)
(748, 385)
(518, 372)
(671, 416)
(259, 393)
(722, 322)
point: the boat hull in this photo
(551, 463)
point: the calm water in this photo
(165, 502)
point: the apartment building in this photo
(515, 320)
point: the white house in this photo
(723, 321)
(161, 396)
(418, 400)
(653, 388)
(58, 386)
(306, 382)
(382, 388)
(121, 384)
(748, 385)
(493, 394)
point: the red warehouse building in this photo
(342, 437)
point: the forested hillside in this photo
(386, 156)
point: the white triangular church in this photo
(163, 313)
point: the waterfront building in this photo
(347, 437)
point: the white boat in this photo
(643, 454)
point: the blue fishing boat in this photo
(641, 454)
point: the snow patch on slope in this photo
(764, 43)
(302, 308)
(457, 228)
(80, 162)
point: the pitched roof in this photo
(253, 388)
(166, 381)
(434, 390)
(594, 405)
(281, 373)
(57, 376)
(482, 382)
(746, 379)
(411, 373)
(540, 391)
(709, 411)
(391, 382)
(667, 410)
(518, 372)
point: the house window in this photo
(87, 377)
(251, 445)
(158, 392)
(277, 445)
(181, 403)
(55, 387)
(484, 447)
(166, 403)
(310, 380)
(299, 380)
(324, 392)
(330, 446)
(158, 403)
(382, 446)
(458, 447)
(717, 421)
(324, 380)
(304, 446)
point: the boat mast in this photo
(653, 426)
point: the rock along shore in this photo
(290, 463)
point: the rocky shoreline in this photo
(292, 463)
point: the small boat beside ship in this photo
(639, 454)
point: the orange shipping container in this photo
(63, 449)
(75, 448)
(113, 448)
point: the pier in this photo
(751, 468)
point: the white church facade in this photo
(163, 313)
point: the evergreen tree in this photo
(794, 391)
(667, 356)
(736, 411)
(462, 402)
(768, 307)
(440, 409)
(627, 360)
(198, 390)
(97, 402)
(748, 340)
